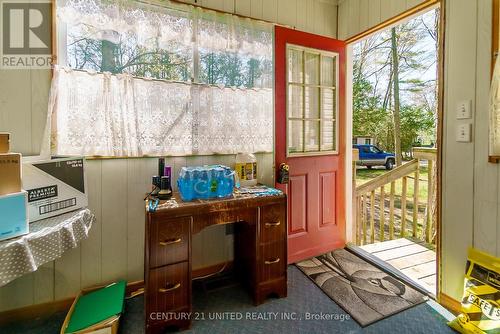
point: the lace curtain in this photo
(105, 103)
(99, 114)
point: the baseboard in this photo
(45, 309)
(450, 303)
(35, 311)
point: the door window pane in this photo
(295, 135)
(312, 102)
(295, 73)
(328, 68)
(311, 136)
(295, 101)
(312, 68)
(327, 103)
(327, 136)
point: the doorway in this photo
(396, 103)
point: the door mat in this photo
(362, 290)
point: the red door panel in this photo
(316, 214)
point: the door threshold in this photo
(386, 267)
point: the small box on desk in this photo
(14, 215)
(10, 173)
(54, 186)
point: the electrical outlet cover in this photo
(464, 109)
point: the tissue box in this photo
(54, 186)
(14, 217)
(10, 173)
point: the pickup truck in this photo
(371, 155)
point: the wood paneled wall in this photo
(114, 248)
(356, 16)
(471, 185)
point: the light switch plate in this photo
(464, 109)
(463, 134)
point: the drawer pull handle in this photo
(276, 260)
(273, 224)
(176, 286)
(170, 241)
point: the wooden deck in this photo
(413, 259)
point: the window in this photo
(368, 141)
(312, 101)
(137, 79)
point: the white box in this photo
(13, 215)
(54, 186)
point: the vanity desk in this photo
(260, 251)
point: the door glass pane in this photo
(295, 66)
(295, 101)
(311, 136)
(328, 68)
(327, 103)
(312, 102)
(327, 136)
(312, 68)
(295, 135)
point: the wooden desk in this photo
(260, 252)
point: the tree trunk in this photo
(395, 83)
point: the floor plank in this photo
(386, 245)
(400, 252)
(413, 260)
(421, 270)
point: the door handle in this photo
(172, 288)
(274, 224)
(170, 241)
(276, 260)
(283, 173)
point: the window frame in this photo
(288, 83)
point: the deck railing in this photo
(385, 211)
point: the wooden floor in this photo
(411, 258)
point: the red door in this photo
(309, 130)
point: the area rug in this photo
(362, 290)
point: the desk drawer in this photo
(272, 261)
(169, 241)
(272, 224)
(168, 288)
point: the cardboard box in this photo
(14, 215)
(4, 142)
(111, 312)
(10, 173)
(54, 186)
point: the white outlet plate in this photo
(463, 134)
(464, 109)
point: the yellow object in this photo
(481, 299)
(246, 168)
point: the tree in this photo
(395, 83)
(395, 76)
